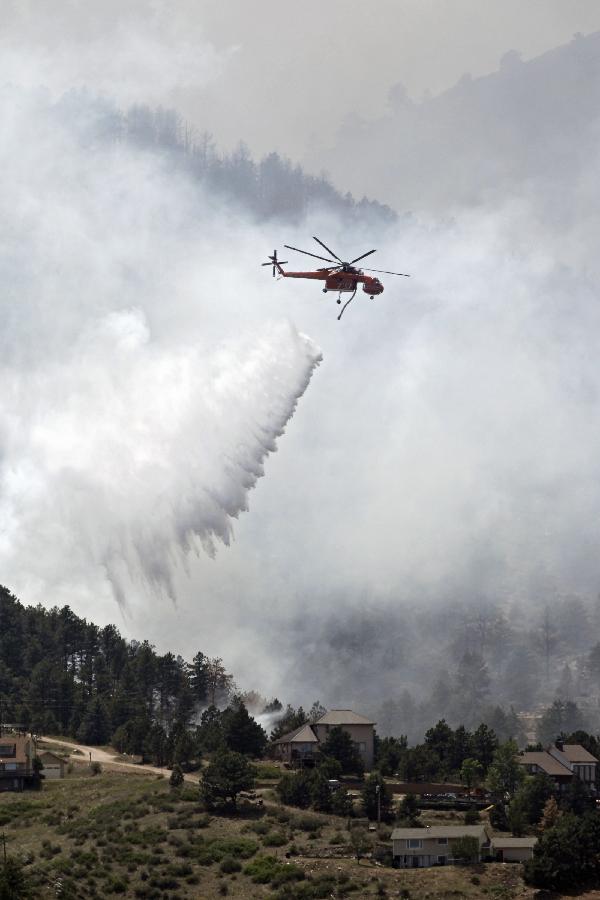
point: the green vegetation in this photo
(310, 787)
(227, 775)
(566, 856)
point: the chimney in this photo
(559, 745)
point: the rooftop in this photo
(575, 753)
(439, 831)
(343, 717)
(544, 761)
(508, 842)
(302, 735)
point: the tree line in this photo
(60, 674)
(271, 188)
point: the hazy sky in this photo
(280, 74)
(448, 444)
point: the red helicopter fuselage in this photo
(344, 281)
(341, 277)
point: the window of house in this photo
(442, 840)
(414, 843)
(8, 750)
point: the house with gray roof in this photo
(561, 763)
(301, 746)
(506, 848)
(417, 848)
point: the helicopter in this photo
(342, 276)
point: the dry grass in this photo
(126, 834)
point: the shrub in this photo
(275, 839)
(230, 865)
(466, 849)
(472, 816)
(262, 869)
(268, 870)
(307, 823)
(96, 767)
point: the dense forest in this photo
(61, 674)
(271, 188)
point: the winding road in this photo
(106, 758)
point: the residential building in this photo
(17, 752)
(561, 763)
(298, 747)
(580, 762)
(506, 848)
(361, 730)
(54, 766)
(301, 746)
(414, 848)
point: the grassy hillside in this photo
(129, 835)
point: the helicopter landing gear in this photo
(347, 303)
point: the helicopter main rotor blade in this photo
(368, 253)
(325, 247)
(306, 253)
(385, 272)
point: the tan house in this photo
(561, 763)
(361, 730)
(506, 848)
(54, 766)
(17, 752)
(416, 848)
(297, 747)
(301, 746)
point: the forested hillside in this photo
(273, 187)
(60, 673)
(528, 129)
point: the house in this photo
(17, 752)
(298, 747)
(561, 763)
(506, 848)
(302, 745)
(54, 766)
(578, 760)
(540, 761)
(416, 848)
(361, 730)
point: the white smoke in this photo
(135, 412)
(135, 52)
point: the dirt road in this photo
(108, 758)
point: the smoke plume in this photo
(136, 410)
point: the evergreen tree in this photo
(95, 726)
(224, 778)
(505, 774)
(320, 792)
(242, 733)
(375, 798)
(340, 746)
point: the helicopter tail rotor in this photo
(276, 263)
